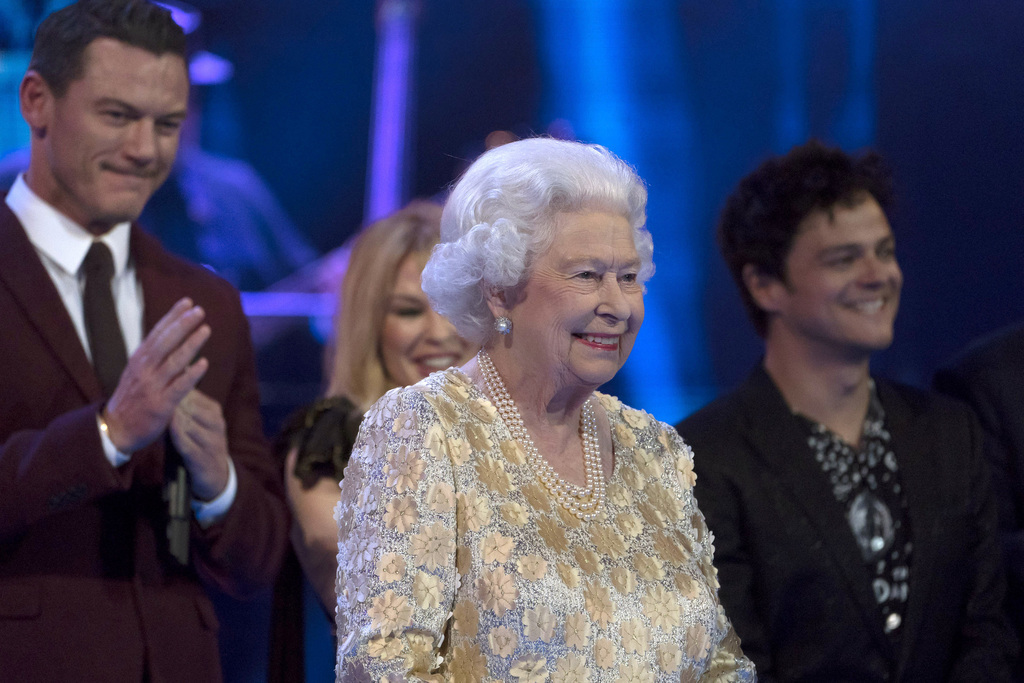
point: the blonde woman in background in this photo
(385, 335)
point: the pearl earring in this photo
(502, 325)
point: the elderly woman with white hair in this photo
(504, 520)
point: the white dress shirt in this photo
(62, 245)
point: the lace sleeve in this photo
(396, 553)
(727, 663)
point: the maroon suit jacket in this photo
(87, 588)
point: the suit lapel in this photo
(161, 287)
(26, 277)
(910, 444)
(780, 440)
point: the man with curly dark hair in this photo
(854, 528)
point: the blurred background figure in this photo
(385, 336)
(989, 376)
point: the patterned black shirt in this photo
(865, 481)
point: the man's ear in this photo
(766, 290)
(36, 100)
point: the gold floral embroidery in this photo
(608, 541)
(419, 655)
(389, 613)
(623, 580)
(401, 514)
(577, 630)
(367, 500)
(539, 623)
(391, 568)
(426, 590)
(570, 575)
(699, 527)
(647, 463)
(661, 607)
(479, 437)
(629, 524)
(619, 496)
(632, 478)
(649, 568)
(492, 473)
(445, 410)
(483, 409)
(496, 590)
(496, 548)
(687, 587)
(636, 419)
(571, 669)
(684, 471)
(530, 669)
(664, 500)
(503, 641)
(468, 663)
(384, 648)
(434, 442)
(459, 451)
(669, 657)
(568, 519)
(552, 533)
(513, 452)
(472, 509)
(634, 672)
(635, 636)
(532, 567)
(698, 645)
(598, 600)
(467, 618)
(515, 514)
(652, 515)
(441, 497)
(604, 653)
(404, 469)
(405, 424)
(625, 436)
(433, 546)
(709, 571)
(536, 497)
(673, 546)
(361, 547)
(588, 560)
(458, 391)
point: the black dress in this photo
(324, 434)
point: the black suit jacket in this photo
(88, 591)
(793, 581)
(990, 377)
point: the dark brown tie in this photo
(101, 326)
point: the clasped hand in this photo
(157, 391)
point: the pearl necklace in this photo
(584, 502)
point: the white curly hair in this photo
(501, 215)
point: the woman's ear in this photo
(498, 301)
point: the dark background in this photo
(695, 94)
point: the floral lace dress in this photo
(456, 565)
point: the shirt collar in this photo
(60, 238)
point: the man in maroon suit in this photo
(133, 469)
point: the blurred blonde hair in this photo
(354, 365)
